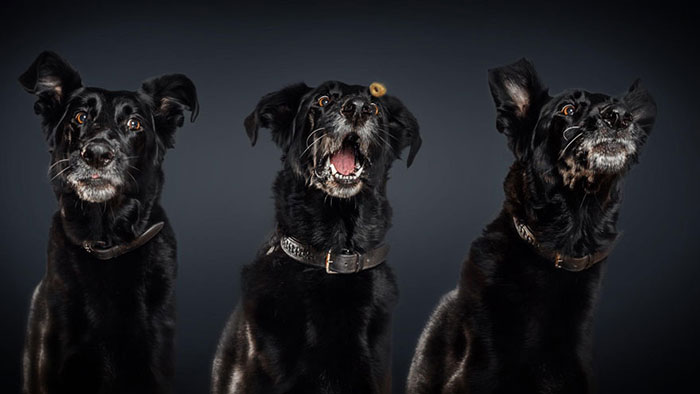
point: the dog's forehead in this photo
(580, 95)
(337, 88)
(111, 100)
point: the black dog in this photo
(102, 318)
(316, 307)
(520, 320)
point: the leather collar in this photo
(96, 249)
(569, 263)
(342, 262)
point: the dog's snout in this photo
(97, 154)
(615, 117)
(357, 107)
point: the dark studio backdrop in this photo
(434, 58)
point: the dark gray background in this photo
(435, 59)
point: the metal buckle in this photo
(558, 260)
(329, 261)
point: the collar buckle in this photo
(329, 261)
(345, 258)
(334, 261)
(558, 260)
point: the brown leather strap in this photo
(342, 262)
(95, 249)
(569, 263)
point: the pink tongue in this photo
(344, 161)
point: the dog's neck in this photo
(113, 222)
(576, 222)
(323, 222)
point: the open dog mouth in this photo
(346, 164)
(340, 170)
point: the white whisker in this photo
(563, 133)
(61, 172)
(312, 133)
(569, 144)
(57, 163)
(312, 144)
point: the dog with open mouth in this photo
(520, 320)
(102, 318)
(316, 305)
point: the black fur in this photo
(298, 329)
(104, 326)
(515, 323)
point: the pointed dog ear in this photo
(519, 95)
(403, 126)
(642, 106)
(171, 95)
(52, 80)
(276, 111)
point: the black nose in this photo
(97, 154)
(356, 107)
(615, 117)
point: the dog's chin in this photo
(608, 156)
(95, 191)
(95, 185)
(341, 189)
(596, 158)
(95, 188)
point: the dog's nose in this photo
(615, 117)
(97, 154)
(356, 107)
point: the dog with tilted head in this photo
(102, 318)
(521, 317)
(315, 312)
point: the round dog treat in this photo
(377, 89)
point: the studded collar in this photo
(334, 262)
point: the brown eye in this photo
(376, 108)
(568, 110)
(323, 101)
(80, 117)
(134, 125)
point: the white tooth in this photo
(358, 171)
(333, 170)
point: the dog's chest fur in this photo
(299, 329)
(514, 314)
(534, 319)
(103, 325)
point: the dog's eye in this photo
(323, 101)
(134, 125)
(568, 110)
(80, 117)
(376, 108)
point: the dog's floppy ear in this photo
(171, 95)
(276, 111)
(642, 106)
(52, 80)
(403, 126)
(519, 94)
